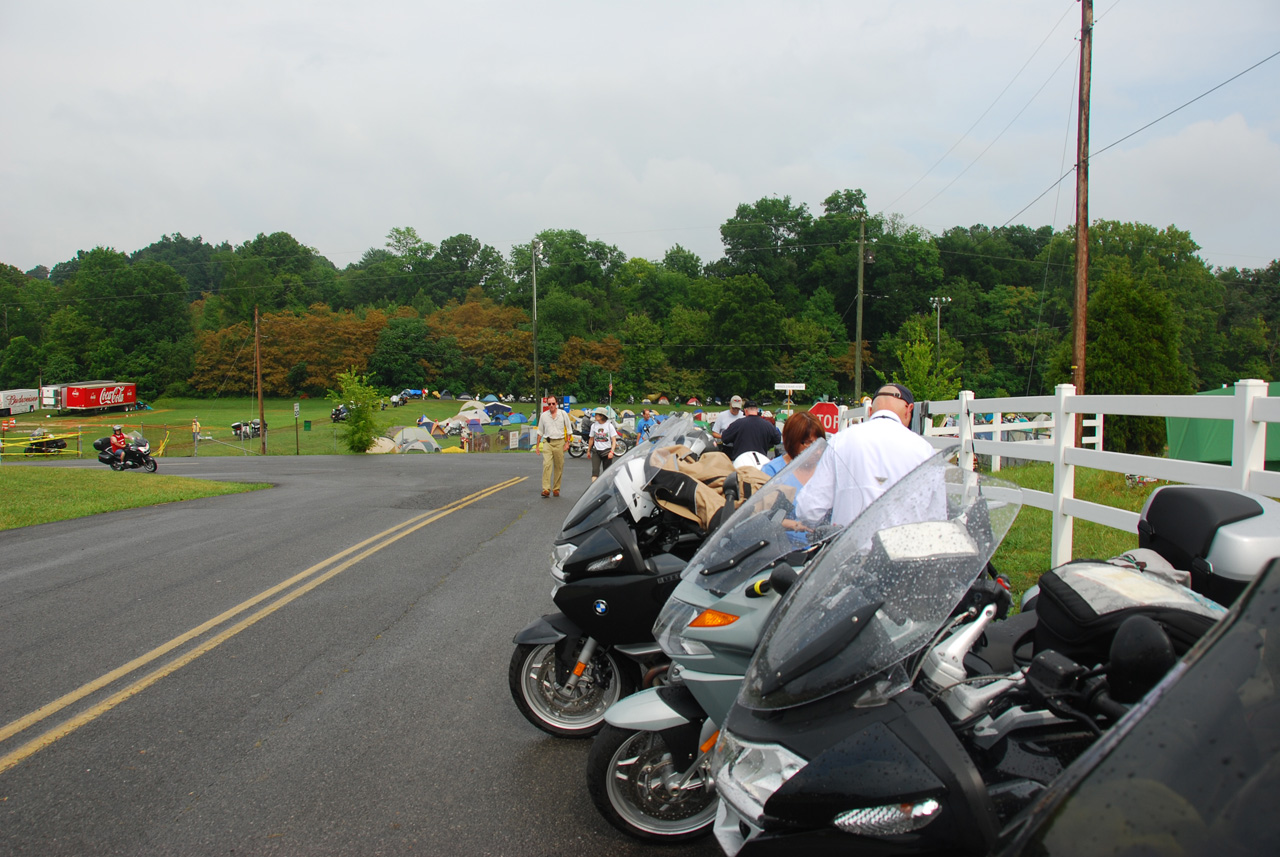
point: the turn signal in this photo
(713, 619)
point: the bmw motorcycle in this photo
(617, 557)
(891, 708)
(649, 768)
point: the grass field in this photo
(1024, 555)
(40, 495)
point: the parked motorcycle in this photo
(339, 414)
(891, 709)
(42, 444)
(247, 429)
(137, 454)
(579, 447)
(649, 768)
(616, 559)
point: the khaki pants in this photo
(552, 460)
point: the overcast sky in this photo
(642, 125)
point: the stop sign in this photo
(829, 414)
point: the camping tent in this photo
(490, 398)
(412, 438)
(518, 418)
(693, 401)
(662, 400)
(497, 409)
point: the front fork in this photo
(584, 658)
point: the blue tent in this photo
(518, 418)
(490, 398)
(497, 409)
(570, 400)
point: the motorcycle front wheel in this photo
(150, 465)
(557, 710)
(635, 785)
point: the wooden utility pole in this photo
(1082, 208)
(537, 393)
(857, 355)
(257, 373)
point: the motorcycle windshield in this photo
(761, 531)
(882, 589)
(602, 500)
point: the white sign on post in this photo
(297, 410)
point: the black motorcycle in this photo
(891, 708)
(618, 556)
(137, 455)
(339, 414)
(42, 444)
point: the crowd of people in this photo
(860, 464)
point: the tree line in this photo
(779, 305)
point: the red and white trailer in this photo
(18, 402)
(90, 396)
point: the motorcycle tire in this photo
(545, 703)
(620, 447)
(633, 782)
(116, 465)
(150, 465)
(577, 450)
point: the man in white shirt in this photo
(555, 428)
(727, 418)
(864, 460)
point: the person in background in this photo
(727, 418)
(118, 442)
(195, 435)
(864, 460)
(798, 432)
(555, 428)
(646, 424)
(751, 433)
(604, 442)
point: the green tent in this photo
(1210, 440)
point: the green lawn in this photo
(39, 495)
(1024, 555)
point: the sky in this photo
(642, 125)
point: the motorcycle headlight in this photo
(748, 774)
(668, 631)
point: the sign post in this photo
(297, 442)
(789, 388)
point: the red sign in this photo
(829, 414)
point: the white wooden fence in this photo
(1249, 410)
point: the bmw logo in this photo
(601, 607)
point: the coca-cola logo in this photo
(111, 396)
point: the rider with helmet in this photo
(604, 441)
(118, 442)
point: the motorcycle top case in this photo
(1082, 604)
(102, 444)
(1222, 536)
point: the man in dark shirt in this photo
(752, 433)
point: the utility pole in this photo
(1082, 208)
(937, 304)
(857, 356)
(257, 372)
(537, 391)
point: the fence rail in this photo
(1249, 411)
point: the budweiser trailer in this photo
(18, 402)
(90, 396)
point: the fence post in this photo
(997, 433)
(1248, 438)
(1064, 477)
(964, 425)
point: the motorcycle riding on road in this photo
(137, 454)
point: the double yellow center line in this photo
(294, 587)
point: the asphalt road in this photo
(211, 677)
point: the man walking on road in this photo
(555, 428)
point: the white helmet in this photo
(751, 459)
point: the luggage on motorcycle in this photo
(1082, 604)
(1223, 537)
(692, 486)
(102, 444)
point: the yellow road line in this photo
(412, 525)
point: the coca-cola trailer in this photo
(89, 396)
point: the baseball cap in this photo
(897, 391)
(752, 403)
(735, 402)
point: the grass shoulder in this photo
(41, 495)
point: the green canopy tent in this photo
(1209, 440)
